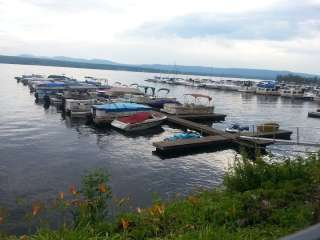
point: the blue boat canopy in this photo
(266, 84)
(53, 84)
(121, 107)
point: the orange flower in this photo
(72, 189)
(157, 209)
(102, 188)
(125, 223)
(36, 207)
(193, 200)
(160, 209)
(61, 195)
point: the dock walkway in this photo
(214, 137)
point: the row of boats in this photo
(270, 88)
(130, 108)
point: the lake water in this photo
(41, 153)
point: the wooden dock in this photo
(192, 143)
(201, 128)
(215, 117)
(215, 138)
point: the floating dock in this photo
(192, 143)
(215, 138)
(216, 117)
(201, 128)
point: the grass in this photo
(258, 200)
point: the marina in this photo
(129, 109)
(59, 146)
(159, 120)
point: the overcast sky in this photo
(269, 34)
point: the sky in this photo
(266, 34)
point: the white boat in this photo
(194, 108)
(316, 97)
(106, 113)
(248, 87)
(139, 121)
(308, 96)
(291, 92)
(76, 107)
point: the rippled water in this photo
(41, 153)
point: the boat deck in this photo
(191, 143)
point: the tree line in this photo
(297, 79)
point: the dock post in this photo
(298, 135)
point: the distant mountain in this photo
(226, 72)
(63, 61)
(70, 59)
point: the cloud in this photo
(72, 5)
(282, 22)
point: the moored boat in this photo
(268, 127)
(292, 92)
(106, 113)
(79, 107)
(139, 121)
(236, 128)
(267, 88)
(248, 87)
(194, 108)
(314, 114)
(155, 101)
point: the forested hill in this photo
(62, 61)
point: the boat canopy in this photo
(163, 89)
(266, 84)
(196, 95)
(146, 88)
(121, 107)
(121, 91)
(117, 83)
(53, 84)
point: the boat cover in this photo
(53, 84)
(184, 135)
(158, 103)
(135, 118)
(122, 107)
(266, 84)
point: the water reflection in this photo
(247, 96)
(263, 99)
(292, 101)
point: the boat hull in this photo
(314, 114)
(150, 123)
